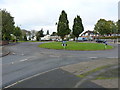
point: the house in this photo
(47, 37)
(90, 35)
(54, 38)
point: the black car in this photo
(100, 41)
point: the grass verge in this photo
(76, 46)
(29, 41)
(92, 71)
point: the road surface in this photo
(27, 59)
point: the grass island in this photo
(81, 46)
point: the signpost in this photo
(64, 44)
(105, 44)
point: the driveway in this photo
(27, 59)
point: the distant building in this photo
(89, 35)
(49, 37)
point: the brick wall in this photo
(4, 42)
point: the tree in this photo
(100, 26)
(29, 34)
(17, 32)
(24, 35)
(105, 27)
(47, 32)
(112, 26)
(63, 25)
(33, 33)
(77, 26)
(39, 34)
(118, 26)
(7, 25)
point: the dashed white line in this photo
(13, 53)
(23, 60)
(93, 57)
(12, 62)
(22, 54)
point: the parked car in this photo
(100, 41)
(82, 39)
(59, 40)
(85, 39)
(71, 39)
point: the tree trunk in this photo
(62, 38)
(76, 39)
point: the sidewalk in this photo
(106, 79)
(3, 51)
(66, 77)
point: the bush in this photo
(110, 37)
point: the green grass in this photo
(92, 71)
(76, 46)
(29, 41)
(110, 74)
(106, 77)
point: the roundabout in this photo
(77, 46)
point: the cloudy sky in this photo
(37, 14)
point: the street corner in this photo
(57, 78)
(95, 74)
(3, 51)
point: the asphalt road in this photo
(27, 59)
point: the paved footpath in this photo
(54, 79)
(65, 77)
(3, 51)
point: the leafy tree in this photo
(25, 37)
(105, 27)
(77, 26)
(72, 36)
(17, 32)
(63, 25)
(47, 32)
(40, 34)
(100, 27)
(113, 27)
(33, 33)
(118, 26)
(29, 35)
(7, 25)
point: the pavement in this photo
(65, 77)
(27, 60)
(3, 51)
(109, 73)
(54, 79)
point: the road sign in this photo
(64, 44)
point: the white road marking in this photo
(22, 54)
(18, 61)
(23, 60)
(12, 62)
(93, 57)
(30, 77)
(13, 53)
